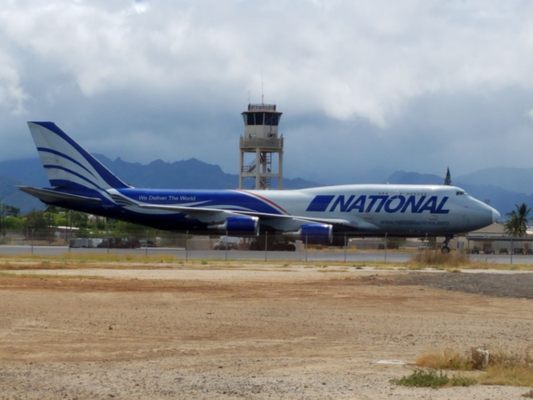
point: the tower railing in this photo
(274, 143)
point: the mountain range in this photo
(501, 187)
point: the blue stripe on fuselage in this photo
(320, 203)
(226, 199)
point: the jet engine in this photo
(239, 224)
(314, 233)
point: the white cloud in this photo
(140, 7)
(342, 60)
(12, 95)
(348, 59)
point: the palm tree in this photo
(516, 224)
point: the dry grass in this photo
(434, 258)
(451, 262)
(33, 275)
(445, 359)
(510, 368)
(133, 261)
(79, 260)
(520, 375)
(504, 368)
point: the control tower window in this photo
(261, 118)
(258, 118)
(271, 119)
(255, 118)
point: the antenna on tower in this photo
(262, 91)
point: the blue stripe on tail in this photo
(49, 166)
(104, 173)
(58, 153)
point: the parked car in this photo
(86, 243)
(227, 243)
(147, 243)
(119, 243)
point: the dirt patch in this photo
(98, 284)
(240, 334)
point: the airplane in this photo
(315, 215)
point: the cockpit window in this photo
(460, 193)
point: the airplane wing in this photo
(277, 221)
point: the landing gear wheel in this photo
(445, 249)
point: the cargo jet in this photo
(320, 215)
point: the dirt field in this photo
(297, 333)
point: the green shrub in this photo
(423, 378)
(433, 379)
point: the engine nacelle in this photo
(316, 233)
(242, 224)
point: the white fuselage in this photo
(393, 209)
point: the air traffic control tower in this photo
(261, 146)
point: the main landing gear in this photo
(445, 249)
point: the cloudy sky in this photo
(364, 86)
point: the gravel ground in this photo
(233, 334)
(501, 285)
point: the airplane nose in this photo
(495, 215)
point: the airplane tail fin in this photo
(67, 164)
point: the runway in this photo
(309, 255)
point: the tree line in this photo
(43, 224)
